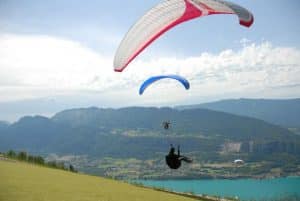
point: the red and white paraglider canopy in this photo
(166, 15)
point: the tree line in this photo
(39, 160)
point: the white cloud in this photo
(44, 66)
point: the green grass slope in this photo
(26, 182)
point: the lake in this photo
(244, 189)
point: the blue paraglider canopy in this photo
(153, 79)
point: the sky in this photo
(58, 54)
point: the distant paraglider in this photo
(238, 162)
(166, 125)
(153, 79)
(164, 17)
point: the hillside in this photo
(280, 112)
(21, 181)
(137, 132)
(131, 143)
(3, 125)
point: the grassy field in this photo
(26, 182)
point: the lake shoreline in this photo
(186, 194)
(243, 189)
(217, 177)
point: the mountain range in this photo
(137, 132)
(285, 113)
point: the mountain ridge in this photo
(284, 112)
(137, 131)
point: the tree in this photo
(22, 156)
(61, 165)
(39, 160)
(52, 164)
(11, 154)
(71, 168)
(30, 159)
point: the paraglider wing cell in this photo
(151, 80)
(166, 15)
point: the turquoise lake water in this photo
(244, 189)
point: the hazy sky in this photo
(57, 54)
